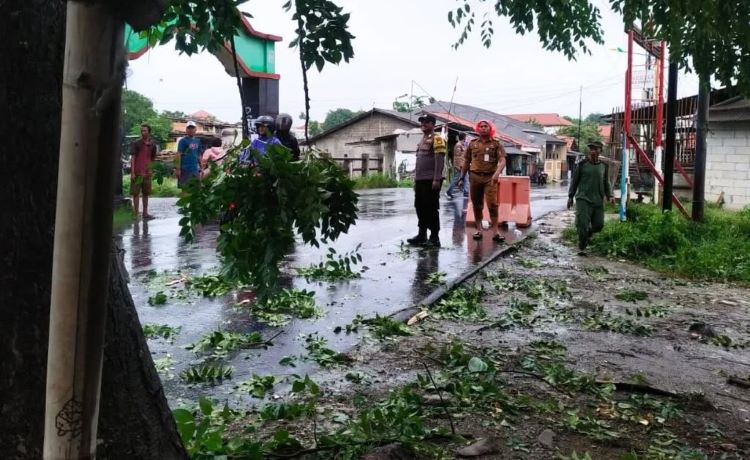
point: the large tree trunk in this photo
(134, 421)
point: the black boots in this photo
(420, 239)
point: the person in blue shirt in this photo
(264, 126)
(189, 149)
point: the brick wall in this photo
(728, 164)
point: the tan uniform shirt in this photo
(484, 156)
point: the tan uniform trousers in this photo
(482, 188)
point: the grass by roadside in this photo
(718, 249)
(123, 215)
(379, 180)
(168, 188)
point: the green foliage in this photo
(589, 133)
(463, 303)
(256, 386)
(561, 26)
(406, 104)
(590, 426)
(318, 351)
(383, 327)
(160, 298)
(607, 322)
(266, 206)
(155, 331)
(436, 278)
(630, 295)
(711, 33)
(379, 180)
(285, 305)
(322, 31)
(204, 433)
(518, 313)
(718, 248)
(122, 216)
(554, 372)
(225, 341)
(136, 108)
(210, 285)
(337, 117)
(209, 372)
(335, 267)
(655, 310)
(161, 127)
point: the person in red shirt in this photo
(142, 153)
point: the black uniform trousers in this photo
(427, 202)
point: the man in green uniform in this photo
(589, 187)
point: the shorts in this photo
(140, 185)
(185, 178)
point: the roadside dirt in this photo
(591, 356)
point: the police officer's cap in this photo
(426, 118)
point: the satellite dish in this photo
(128, 72)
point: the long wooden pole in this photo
(699, 185)
(92, 79)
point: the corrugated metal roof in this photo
(544, 119)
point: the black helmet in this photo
(284, 122)
(264, 120)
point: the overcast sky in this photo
(399, 42)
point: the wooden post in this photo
(380, 165)
(365, 164)
(347, 167)
(92, 78)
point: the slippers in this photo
(477, 236)
(498, 238)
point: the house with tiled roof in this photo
(551, 123)
(530, 149)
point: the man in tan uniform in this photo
(485, 158)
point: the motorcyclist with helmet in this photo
(283, 134)
(264, 127)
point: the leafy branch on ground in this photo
(285, 305)
(163, 331)
(335, 268)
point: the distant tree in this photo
(174, 114)
(314, 128)
(136, 108)
(338, 116)
(589, 133)
(161, 126)
(411, 104)
(535, 122)
(595, 117)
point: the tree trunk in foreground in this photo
(134, 421)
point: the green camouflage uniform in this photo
(590, 186)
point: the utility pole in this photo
(699, 175)
(669, 152)
(580, 114)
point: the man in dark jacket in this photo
(283, 134)
(590, 186)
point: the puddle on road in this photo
(396, 278)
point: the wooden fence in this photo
(361, 166)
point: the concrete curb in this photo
(437, 294)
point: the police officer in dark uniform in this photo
(485, 158)
(283, 134)
(428, 179)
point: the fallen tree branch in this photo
(738, 381)
(440, 395)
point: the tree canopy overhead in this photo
(711, 37)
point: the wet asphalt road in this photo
(394, 279)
